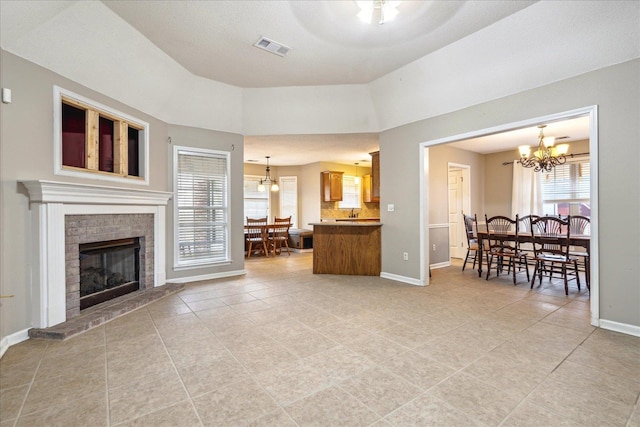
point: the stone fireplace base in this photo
(102, 313)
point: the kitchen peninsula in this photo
(347, 247)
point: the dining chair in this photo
(551, 245)
(525, 223)
(579, 224)
(472, 240)
(504, 244)
(525, 227)
(279, 235)
(257, 235)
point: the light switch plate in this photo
(390, 208)
(6, 95)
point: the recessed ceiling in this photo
(297, 150)
(329, 45)
(569, 130)
(290, 150)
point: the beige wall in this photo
(439, 158)
(26, 144)
(616, 92)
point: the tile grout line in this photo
(33, 379)
(175, 368)
(232, 355)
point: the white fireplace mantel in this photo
(67, 192)
(50, 201)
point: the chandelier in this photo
(546, 157)
(267, 180)
(387, 10)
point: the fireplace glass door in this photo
(108, 270)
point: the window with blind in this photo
(201, 188)
(289, 198)
(350, 193)
(566, 190)
(256, 203)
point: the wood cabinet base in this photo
(344, 249)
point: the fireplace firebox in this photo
(108, 269)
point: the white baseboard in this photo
(624, 328)
(403, 279)
(207, 276)
(440, 265)
(12, 339)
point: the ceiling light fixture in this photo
(267, 180)
(386, 9)
(546, 157)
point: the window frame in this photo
(61, 95)
(358, 185)
(572, 202)
(179, 264)
(281, 208)
(254, 178)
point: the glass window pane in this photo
(201, 188)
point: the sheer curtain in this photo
(526, 193)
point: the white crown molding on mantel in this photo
(66, 192)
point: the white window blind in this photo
(289, 198)
(350, 193)
(201, 191)
(567, 183)
(256, 203)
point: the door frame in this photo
(590, 111)
(466, 192)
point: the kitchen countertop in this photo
(364, 218)
(350, 223)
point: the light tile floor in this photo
(283, 347)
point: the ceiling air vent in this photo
(271, 46)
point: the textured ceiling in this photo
(214, 39)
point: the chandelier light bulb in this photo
(546, 157)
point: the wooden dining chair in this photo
(551, 245)
(525, 223)
(579, 224)
(256, 235)
(505, 245)
(472, 240)
(279, 235)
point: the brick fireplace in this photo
(84, 229)
(65, 215)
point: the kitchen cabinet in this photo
(371, 182)
(332, 186)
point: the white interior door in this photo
(456, 227)
(459, 201)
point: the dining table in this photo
(267, 231)
(580, 240)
